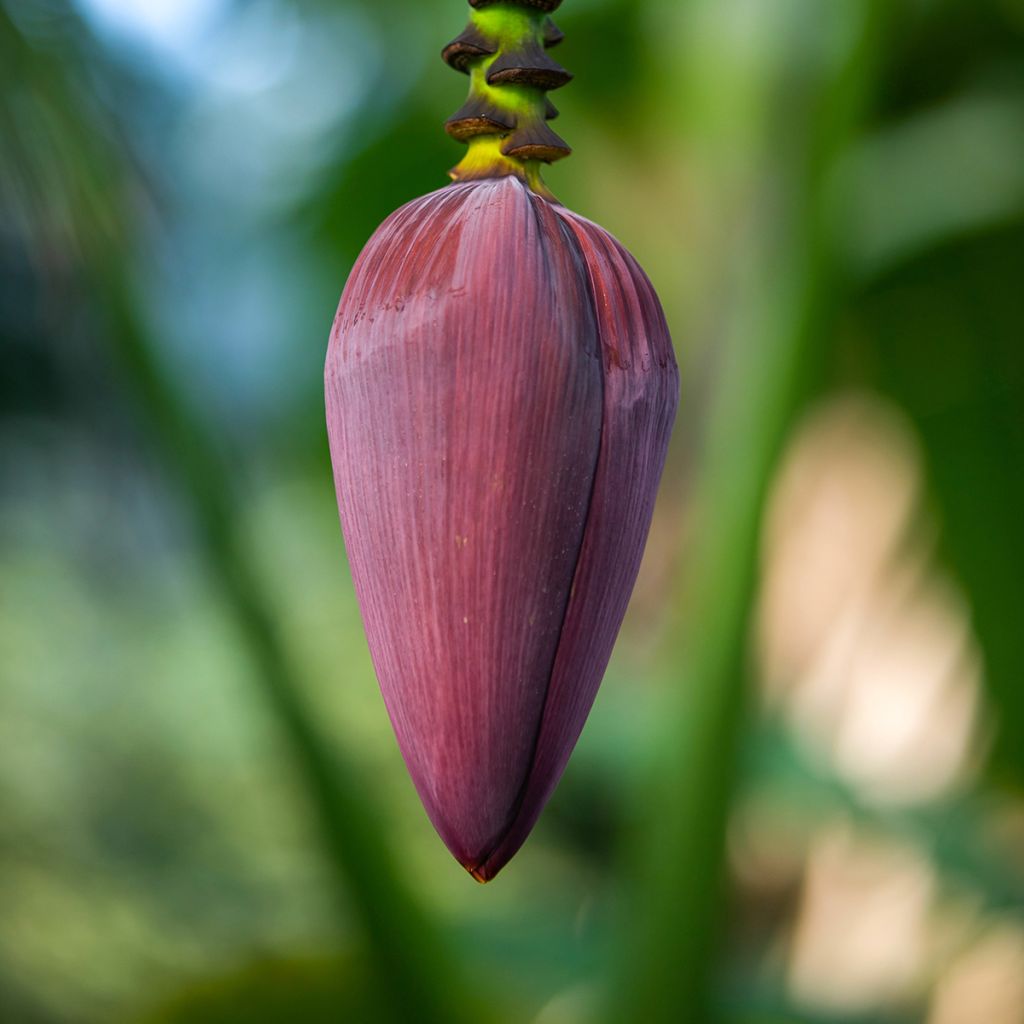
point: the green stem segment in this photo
(504, 120)
(670, 973)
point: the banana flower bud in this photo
(500, 390)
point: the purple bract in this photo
(500, 389)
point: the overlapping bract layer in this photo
(500, 391)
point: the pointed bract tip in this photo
(478, 874)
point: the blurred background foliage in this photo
(799, 797)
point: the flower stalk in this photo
(504, 119)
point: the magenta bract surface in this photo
(500, 390)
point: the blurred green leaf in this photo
(759, 390)
(944, 337)
(414, 975)
(310, 990)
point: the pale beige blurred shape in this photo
(838, 507)
(867, 653)
(864, 645)
(861, 934)
(906, 728)
(986, 984)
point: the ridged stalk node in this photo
(504, 119)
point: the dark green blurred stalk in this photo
(414, 973)
(679, 877)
